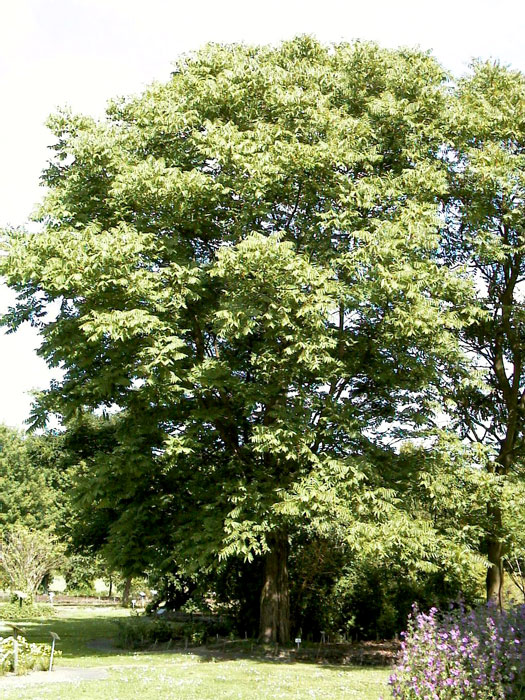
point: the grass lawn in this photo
(179, 675)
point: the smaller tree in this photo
(26, 556)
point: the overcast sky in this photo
(80, 53)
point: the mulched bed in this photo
(351, 654)
(359, 653)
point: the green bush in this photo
(31, 657)
(140, 632)
(26, 611)
(363, 599)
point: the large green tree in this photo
(485, 232)
(245, 261)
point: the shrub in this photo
(31, 657)
(27, 611)
(478, 655)
(139, 632)
(367, 598)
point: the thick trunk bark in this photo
(495, 573)
(127, 591)
(275, 599)
(495, 578)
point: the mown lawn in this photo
(181, 675)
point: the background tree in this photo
(485, 233)
(246, 261)
(33, 481)
(118, 522)
(26, 556)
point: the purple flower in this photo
(459, 654)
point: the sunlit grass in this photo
(180, 675)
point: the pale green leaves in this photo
(274, 294)
(247, 262)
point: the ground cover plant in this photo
(31, 656)
(477, 654)
(85, 642)
(28, 610)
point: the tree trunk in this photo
(275, 599)
(495, 573)
(494, 581)
(127, 591)
(495, 557)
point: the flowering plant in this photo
(477, 654)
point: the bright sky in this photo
(82, 52)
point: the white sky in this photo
(82, 52)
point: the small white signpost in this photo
(56, 638)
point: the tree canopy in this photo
(33, 481)
(485, 232)
(248, 267)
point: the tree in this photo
(485, 233)
(118, 519)
(34, 481)
(26, 556)
(246, 264)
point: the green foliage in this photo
(33, 481)
(236, 585)
(249, 262)
(141, 632)
(27, 611)
(31, 657)
(368, 596)
(484, 233)
(26, 556)
(301, 291)
(37, 475)
(80, 572)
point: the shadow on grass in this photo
(85, 636)
(284, 657)
(79, 636)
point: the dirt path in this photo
(59, 675)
